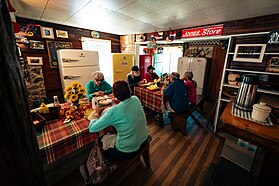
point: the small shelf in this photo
(274, 92)
(251, 71)
(226, 100)
(228, 85)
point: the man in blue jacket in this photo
(177, 96)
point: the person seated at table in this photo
(127, 118)
(97, 86)
(134, 78)
(176, 95)
(150, 76)
(191, 86)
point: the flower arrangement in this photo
(74, 92)
(73, 112)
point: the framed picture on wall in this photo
(62, 34)
(273, 64)
(34, 60)
(52, 47)
(249, 52)
(47, 32)
(36, 44)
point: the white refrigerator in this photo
(197, 66)
(77, 65)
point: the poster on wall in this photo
(202, 32)
(52, 47)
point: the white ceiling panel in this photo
(63, 9)
(142, 16)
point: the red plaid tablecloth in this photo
(58, 139)
(149, 98)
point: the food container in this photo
(260, 112)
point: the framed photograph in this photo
(47, 32)
(62, 34)
(273, 64)
(36, 44)
(52, 47)
(34, 60)
(249, 52)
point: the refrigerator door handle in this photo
(69, 60)
(72, 77)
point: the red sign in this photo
(204, 31)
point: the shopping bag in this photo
(97, 168)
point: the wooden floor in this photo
(175, 160)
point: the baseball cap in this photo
(150, 67)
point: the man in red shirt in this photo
(150, 76)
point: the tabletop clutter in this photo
(245, 105)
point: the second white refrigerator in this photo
(197, 66)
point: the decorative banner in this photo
(201, 32)
(273, 37)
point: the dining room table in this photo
(151, 99)
(64, 145)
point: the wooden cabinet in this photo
(249, 54)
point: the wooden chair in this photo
(145, 153)
(179, 121)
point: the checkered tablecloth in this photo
(59, 139)
(150, 98)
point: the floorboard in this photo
(175, 160)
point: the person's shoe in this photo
(174, 128)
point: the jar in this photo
(260, 112)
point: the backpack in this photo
(96, 169)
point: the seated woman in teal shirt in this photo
(98, 86)
(128, 119)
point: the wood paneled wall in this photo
(51, 75)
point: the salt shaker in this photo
(94, 103)
(56, 101)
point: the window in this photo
(105, 59)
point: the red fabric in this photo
(151, 77)
(59, 139)
(192, 93)
(150, 98)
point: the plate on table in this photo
(145, 84)
(158, 88)
(104, 101)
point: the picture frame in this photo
(36, 44)
(52, 47)
(62, 34)
(249, 53)
(34, 60)
(273, 64)
(47, 32)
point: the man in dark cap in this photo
(133, 78)
(150, 76)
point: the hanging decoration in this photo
(172, 35)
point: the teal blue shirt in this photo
(129, 120)
(91, 88)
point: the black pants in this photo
(116, 154)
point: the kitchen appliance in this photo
(77, 65)
(247, 92)
(121, 65)
(197, 66)
(145, 61)
(260, 112)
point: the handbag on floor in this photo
(96, 169)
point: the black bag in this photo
(96, 169)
